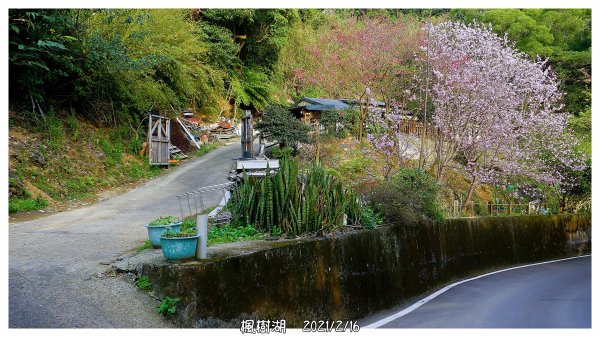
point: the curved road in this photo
(57, 264)
(550, 295)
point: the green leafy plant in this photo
(168, 306)
(371, 219)
(163, 220)
(276, 231)
(143, 283)
(184, 233)
(188, 224)
(334, 123)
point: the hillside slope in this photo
(70, 162)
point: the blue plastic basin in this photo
(179, 248)
(154, 232)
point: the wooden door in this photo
(159, 131)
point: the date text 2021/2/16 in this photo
(330, 326)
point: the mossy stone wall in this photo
(353, 275)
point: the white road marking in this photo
(413, 307)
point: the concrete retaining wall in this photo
(353, 275)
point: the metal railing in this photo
(194, 201)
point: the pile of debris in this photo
(224, 130)
(213, 132)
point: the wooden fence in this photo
(413, 127)
(492, 209)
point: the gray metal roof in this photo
(326, 103)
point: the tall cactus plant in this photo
(295, 201)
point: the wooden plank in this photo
(188, 133)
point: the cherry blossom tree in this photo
(496, 108)
(387, 145)
(363, 60)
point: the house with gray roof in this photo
(309, 109)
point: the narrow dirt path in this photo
(58, 263)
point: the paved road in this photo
(57, 263)
(553, 295)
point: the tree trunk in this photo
(440, 159)
(469, 199)
(422, 145)
(361, 126)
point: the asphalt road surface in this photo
(551, 295)
(57, 264)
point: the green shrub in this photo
(284, 152)
(184, 233)
(278, 124)
(334, 123)
(370, 218)
(408, 197)
(355, 168)
(188, 224)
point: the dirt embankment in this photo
(68, 163)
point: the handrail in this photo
(196, 199)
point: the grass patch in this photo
(113, 151)
(204, 149)
(143, 283)
(144, 246)
(55, 132)
(25, 205)
(141, 170)
(228, 233)
(209, 209)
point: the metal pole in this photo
(202, 225)
(195, 202)
(188, 200)
(180, 207)
(201, 202)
